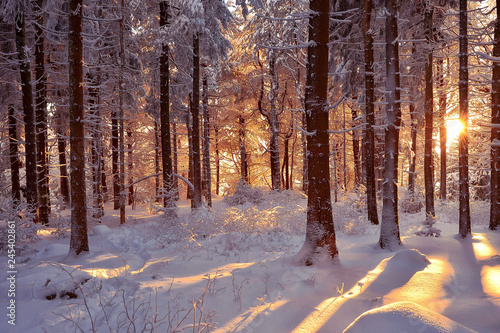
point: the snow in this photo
(148, 275)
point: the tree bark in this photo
(63, 164)
(79, 237)
(95, 119)
(320, 232)
(442, 128)
(14, 158)
(389, 229)
(429, 119)
(157, 162)
(355, 151)
(495, 130)
(369, 138)
(29, 117)
(243, 151)
(463, 138)
(207, 173)
(195, 110)
(166, 145)
(41, 116)
(115, 133)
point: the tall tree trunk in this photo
(273, 122)
(413, 158)
(189, 128)
(63, 165)
(442, 128)
(95, 118)
(166, 145)
(355, 151)
(305, 170)
(115, 165)
(320, 232)
(389, 229)
(176, 146)
(495, 130)
(195, 110)
(243, 151)
(79, 238)
(157, 162)
(14, 158)
(463, 138)
(131, 199)
(429, 119)
(29, 116)
(41, 116)
(217, 160)
(122, 120)
(369, 138)
(207, 173)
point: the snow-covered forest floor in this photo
(232, 271)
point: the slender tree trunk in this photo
(495, 129)
(207, 172)
(197, 202)
(41, 116)
(189, 127)
(463, 138)
(176, 146)
(14, 158)
(63, 169)
(320, 232)
(355, 151)
(29, 117)
(429, 120)
(369, 138)
(104, 185)
(131, 199)
(442, 128)
(217, 160)
(243, 151)
(413, 158)
(304, 154)
(389, 229)
(79, 238)
(166, 145)
(122, 120)
(273, 118)
(95, 118)
(115, 133)
(157, 162)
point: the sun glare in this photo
(453, 129)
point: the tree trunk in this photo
(195, 110)
(29, 117)
(63, 165)
(243, 151)
(122, 120)
(355, 151)
(495, 130)
(389, 229)
(207, 173)
(79, 239)
(41, 116)
(166, 145)
(217, 160)
(95, 119)
(429, 120)
(189, 127)
(463, 138)
(304, 154)
(442, 128)
(131, 198)
(176, 146)
(273, 123)
(413, 158)
(114, 156)
(369, 138)
(157, 162)
(14, 158)
(320, 232)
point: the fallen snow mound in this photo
(406, 317)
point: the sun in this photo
(453, 129)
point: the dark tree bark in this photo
(176, 146)
(243, 151)
(79, 238)
(14, 157)
(41, 116)
(413, 158)
(305, 170)
(63, 165)
(463, 138)
(130, 169)
(189, 128)
(274, 149)
(429, 120)
(29, 117)
(95, 129)
(115, 133)
(166, 145)
(195, 110)
(495, 130)
(320, 232)
(369, 138)
(355, 151)
(207, 173)
(157, 161)
(122, 121)
(389, 229)
(442, 128)
(217, 159)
